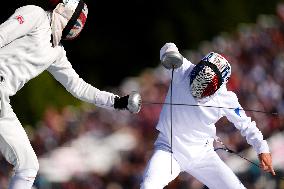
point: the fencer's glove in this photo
(121, 103)
(131, 102)
(170, 56)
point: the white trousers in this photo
(17, 150)
(208, 169)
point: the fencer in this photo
(30, 42)
(187, 144)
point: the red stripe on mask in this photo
(211, 88)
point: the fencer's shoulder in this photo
(61, 54)
(232, 95)
(228, 97)
(223, 92)
(31, 9)
(60, 50)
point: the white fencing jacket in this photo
(194, 125)
(26, 51)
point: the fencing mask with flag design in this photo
(208, 75)
(68, 20)
(78, 19)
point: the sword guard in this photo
(171, 60)
(134, 102)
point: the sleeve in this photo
(63, 72)
(182, 72)
(243, 123)
(22, 22)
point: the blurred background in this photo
(81, 146)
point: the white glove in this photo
(168, 47)
(170, 56)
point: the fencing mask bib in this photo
(68, 20)
(208, 75)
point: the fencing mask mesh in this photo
(68, 20)
(208, 75)
(77, 21)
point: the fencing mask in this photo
(68, 20)
(208, 75)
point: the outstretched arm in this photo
(64, 73)
(248, 129)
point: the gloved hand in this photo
(121, 103)
(170, 56)
(131, 102)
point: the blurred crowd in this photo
(256, 53)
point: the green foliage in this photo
(31, 101)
